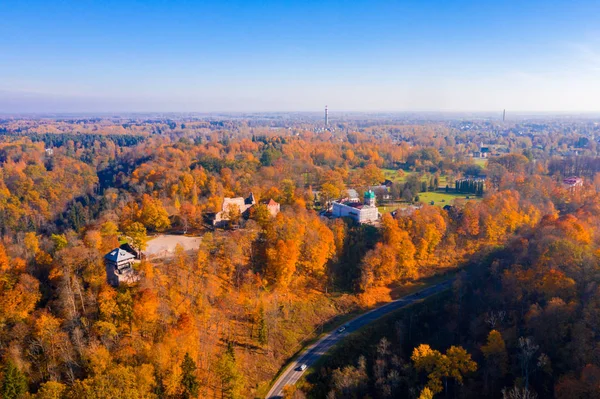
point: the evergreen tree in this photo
(159, 387)
(189, 382)
(232, 380)
(14, 384)
(262, 327)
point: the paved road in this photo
(293, 373)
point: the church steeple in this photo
(369, 198)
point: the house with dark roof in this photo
(118, 263)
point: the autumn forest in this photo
(509, 213)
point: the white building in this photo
(364, 212)
(572, 183)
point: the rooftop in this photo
(118, 255)
(369, 194)
(352, 204)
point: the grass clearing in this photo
(393, 175)
(442, 199)
(392, 206)
(481, 162)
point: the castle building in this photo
(362, 212)
(237, 205)
(240, 206)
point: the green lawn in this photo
(480, 161)
(390, 207)
(392, 174)
(442, 199)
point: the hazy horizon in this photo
(155, 56)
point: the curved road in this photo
(293, 373)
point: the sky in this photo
(272, 56)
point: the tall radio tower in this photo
(326, 118)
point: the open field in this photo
(442, 198)
(392, 174)
(389, 208)
(392, 206)
(480, 161)
(439, 198)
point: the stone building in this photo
(118, 263)
(239, 206)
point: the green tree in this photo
(60, 241)
(14, 383)
(288, 189)
(189, 382)
(262, 327)
(230, 377)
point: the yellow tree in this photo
(110, 236)
(32, 243)
(372, 175)
(281, 262)
(400, 243)
(428, 229)
(153, 214)
(455, 363)
(496, 358)
(378, 267)
(317, 248)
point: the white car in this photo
(302, 367)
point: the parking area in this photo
(164, 245)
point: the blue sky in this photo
(76, 56)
